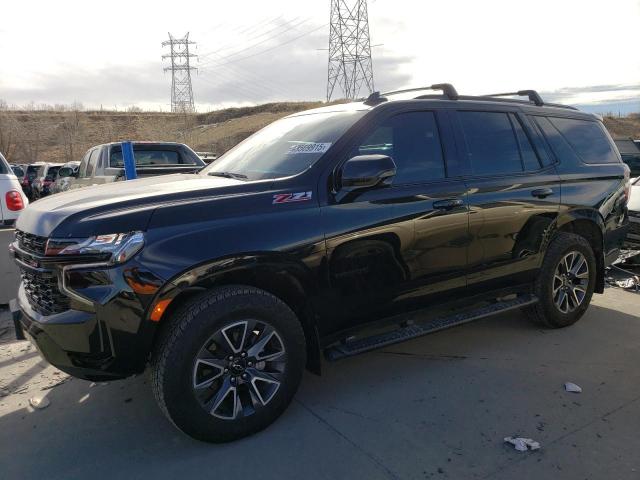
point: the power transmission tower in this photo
(350, 65)
(181, 91)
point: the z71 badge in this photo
(291, 197)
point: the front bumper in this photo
(107, 335)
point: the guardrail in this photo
(9, 274)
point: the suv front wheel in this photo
(565, 283)
(229, 363)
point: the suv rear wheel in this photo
(229, 363)
(565, 283)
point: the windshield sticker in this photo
(291, 197)
(308, 147)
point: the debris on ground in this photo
(522, 444)
(572, 387)
(39, 402)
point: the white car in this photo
(633, 238)
(12, 198)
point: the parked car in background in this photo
(630, 153)
(336, 230)
(207, 157)
(633, 238)
(65, 174)
(41, 185)
(12, 198)
(104, 164)
(19, 172)
(31, 172)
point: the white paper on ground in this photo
(572, 387)
(522, 444)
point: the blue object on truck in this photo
(129, 161)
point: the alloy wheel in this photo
(239, 369)
(570, 282)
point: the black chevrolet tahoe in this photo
(328, 233)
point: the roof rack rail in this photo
(532, 94)
(448, 90)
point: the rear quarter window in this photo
(587, 139)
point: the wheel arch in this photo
(290, 281)
(589, 225)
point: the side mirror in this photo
(365, 171)
(65, 172)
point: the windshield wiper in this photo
(236, 176)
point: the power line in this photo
(292, 27)
(350, 65)
(277, 27)
(181, 89)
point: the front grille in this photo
(42, 292)
(634, 227)
(31, 243)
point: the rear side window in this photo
(413, 141)
(82, 169)
(587, 139)
(491, 143)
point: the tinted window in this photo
(491, 143)
(527, 152)
(51, 173)
(413, 141)
(587, 139)
(93, 160)
(82, 169)
(18, 171)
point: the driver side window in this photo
(413, 141)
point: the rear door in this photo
(86, 169)
(392, 247)
(513, 195)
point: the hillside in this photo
(29, 136)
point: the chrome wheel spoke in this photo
(224, 404)
(263, 385)
(570, 282)
(235, 336)
(216, 368)
(269, 346)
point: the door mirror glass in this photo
(65, 172)
(366, 171)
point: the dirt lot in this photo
(435, 407)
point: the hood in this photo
(125, 205)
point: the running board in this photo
(355, 347)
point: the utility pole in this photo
(350, 66)
(181, 91)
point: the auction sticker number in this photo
(308, 147)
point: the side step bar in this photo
(355, 347)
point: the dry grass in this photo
(29, 136)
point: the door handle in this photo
(542, 192)
(448, 204)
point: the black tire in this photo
(177, 363)
(547, 312)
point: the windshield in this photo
(286, 147)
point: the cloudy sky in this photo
(582, 52)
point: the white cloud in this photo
(110, 53)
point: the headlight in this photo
(119, 247)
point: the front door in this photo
(389, 248)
